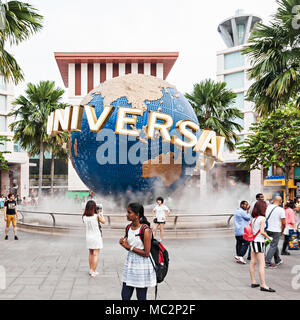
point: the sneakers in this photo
(240, 260)
(271, 266)
(94, 274)
(279, 263)
(285, 253)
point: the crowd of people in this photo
(268, 221)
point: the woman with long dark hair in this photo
(138, 272)
(258, 223)
(94, 242)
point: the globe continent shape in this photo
(112, 164)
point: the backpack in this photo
(159, 256)
(248, 232)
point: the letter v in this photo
(94, 124)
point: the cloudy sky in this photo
(187, 26)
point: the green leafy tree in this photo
(275, 141)
(18, 21)
(3, 161)
(213, 105)
(31, 115)
(274, 52)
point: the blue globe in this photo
(112, 164)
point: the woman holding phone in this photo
(94, 242)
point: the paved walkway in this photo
(42, 266)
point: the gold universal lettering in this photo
(62, 120)
(181, 128)
(206, 141)
(122, 120)
(50, 124)
(94, 123)
(220, 148)
(70, 119)
(77, 115)
(162, 127)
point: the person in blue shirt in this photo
(241, 220)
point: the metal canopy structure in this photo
(235, 30)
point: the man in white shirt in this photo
(276, 222)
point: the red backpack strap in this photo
(254, 236)
(126, 230)
(142, 231)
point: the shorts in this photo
(157, 222)
(257, 247)
(11, 218)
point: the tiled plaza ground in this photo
(40, 266)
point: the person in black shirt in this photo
(11, 215)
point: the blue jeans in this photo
(273, 248)
(141, 293)
(241, 246)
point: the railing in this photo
(176, 216)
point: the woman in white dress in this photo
(138, 271)
(94, 242)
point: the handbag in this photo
(155, 220)
(248, 232)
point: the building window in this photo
(235, 80)
(3, 146)
(2, 124)
(17, 147)
(239, 101)
(2, 83)
(241, 33)
(242, 139)
(234, 60)
(2, 104)
(240, 122)
(254, 118)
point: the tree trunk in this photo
(41, 169)
(52, 174)
(287, 191)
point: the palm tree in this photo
(212, 103)
(18, 21)
(31, 115)
(274, 51)
(57, 145)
